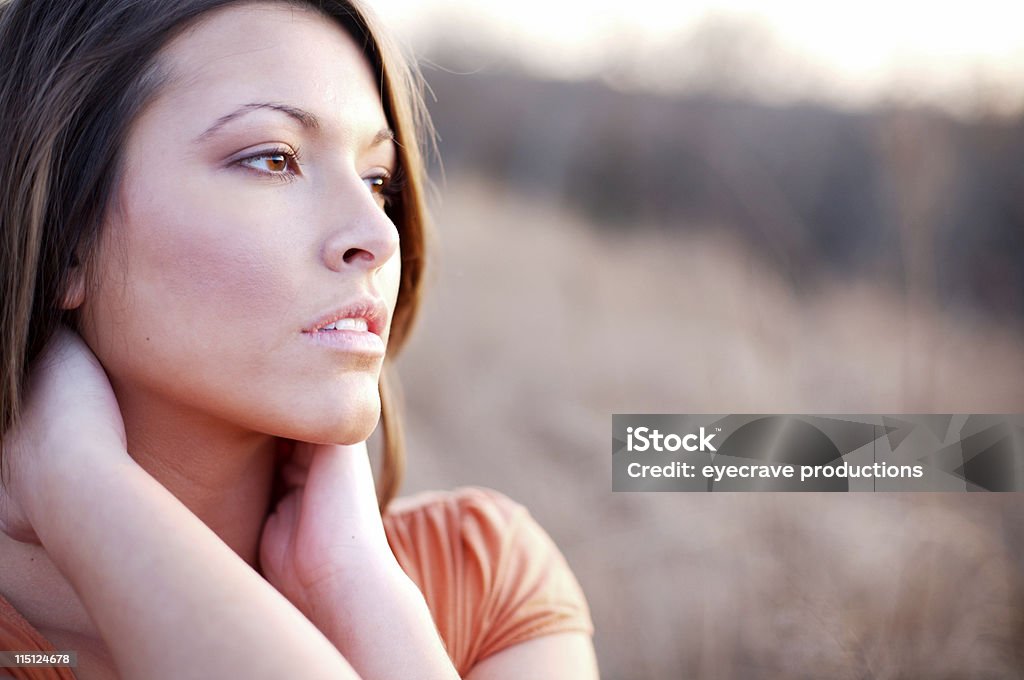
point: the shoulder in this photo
(468, 527)
(468, 507)
(490, 574)
(474, 527)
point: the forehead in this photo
(270, 51)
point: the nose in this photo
(363, 236)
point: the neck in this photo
(222, 473)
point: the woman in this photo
(212, 230)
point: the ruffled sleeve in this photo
(491, 576)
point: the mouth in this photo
(366, 315)
(358, 324)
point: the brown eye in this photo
(281, 163)
(385, 187)
(277, 162)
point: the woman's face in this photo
(250, 213)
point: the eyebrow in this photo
(305, 118)
(384, 135)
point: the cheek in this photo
(202, 312)
(207, 272)
(198, 282)
(207, 262)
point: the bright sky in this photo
(955, 54)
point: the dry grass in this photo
(537, 329)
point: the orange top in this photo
(489, 573)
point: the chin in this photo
(350, 422)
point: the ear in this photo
(74, 295)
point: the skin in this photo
(168, 564)
(214, 265)
(218, 255)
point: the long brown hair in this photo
(76, 74)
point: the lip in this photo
(368, 342)
(349, 342)
(372, 309)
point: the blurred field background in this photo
(719, 210)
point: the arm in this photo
(520, 610)
(170, 599)
(563, 656)
(325, 548)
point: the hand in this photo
(326, 532)
(324, 548)
(69, 402)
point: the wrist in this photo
(343, 603)
(359, 576)
(384, 627)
